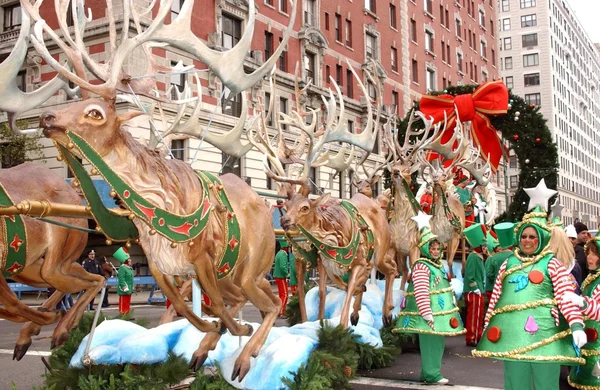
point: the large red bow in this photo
(488, 99)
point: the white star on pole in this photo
(557, 209)
(422, 220)
(540, 195)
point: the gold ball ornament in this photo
(59, 158)
(173, 245)
(152, 232)
(94, 171)
(112, 193)
(70, 145)
(131, 216)
(190, 243)
(109, 242)
(128, 244)
(98, 229)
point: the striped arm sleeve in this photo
(495, 294)
(562, 283)
(420, 277)
(593, 305)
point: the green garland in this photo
(529, 137)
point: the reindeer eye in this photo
(304, 208)
(94, 114)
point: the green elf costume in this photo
(505, 241)
(529, 324)
(428, 307)
(588, 376)
(125, 280)
(280, 274)
(474, 282)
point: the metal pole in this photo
(196, 298)
(505, 179)
(86, 359)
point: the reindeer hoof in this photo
(250, 330)
(387, 321)
(20, 350)
(221, 328)
(354, 319)
(364, 288)
(198, 360)
(58, 340)
(240, 369)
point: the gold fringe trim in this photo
(434, 292)
(581, 387)
(436, 264)
(523, 350)
(416, 313)
(523, 306)
(590, 352)
(589, 280)
(431, 332)
(557, 358)
(526, 261)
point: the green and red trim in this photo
(454, 220)
(14, 254)
(411, 197)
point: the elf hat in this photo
(537, 220)
(121, 255)
(283, 244)
(592, 241)
(506, 234)
(492, 241)
(475, 235)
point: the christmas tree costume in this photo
(428, 307)
(125, 281)
(474, 283)
(528, 323)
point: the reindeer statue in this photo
(40, 254)
(341, 236)
(189, 223)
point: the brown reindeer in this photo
(172, 186)
(51, 257)
(326, 220)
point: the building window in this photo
(309, 66)
(309, 7)
(370, 5)
(22, 81)
(533, 98)
(283, 109)
(371, 42)
(505, 5)
(529, 20)
(348, 33)
(531, 59)
(230, 164)
(428, 6)
(269, 2)
(349, 79)
(484, 76)
(506, 24)
(338, 75)
(443, 51)
(482, 18)
(268, 45)
(483, 49)
(12, 17)
(509, 81)
(527, 3)
(413, 30)
(393, 22)
(459, 62)
(448, 54)
(493, 57)
(512, 161)
(394, 59)
(508, 63)
(177, 82)
(338, 27)
(514, 181)
(267, 103)
(312, 177)
(492, 27)
(231, 31)
(231, 104)
(282, 59)
(530, 40)
(415, 71)
(283, 6)
(458, 26)
(531, 79)
(395, 102)
(327, 21)
(371, 91)
(351, 126)
(431, 80)
(429, 41)
(178, 149)
(508, 43)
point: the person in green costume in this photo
(474, 282)
(505, 242)
(125, 281)
(280, 274)
(529, 324)
(588, 376)
(428, 307)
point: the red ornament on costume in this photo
(488, 99)
(454, 323)
(536, 277)
(592, 334)
(494, 334)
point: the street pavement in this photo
(463, 371)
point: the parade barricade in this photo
(142, 280)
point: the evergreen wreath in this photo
(524, 127)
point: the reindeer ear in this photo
(129, 115)
(375, 179)
(321, 200)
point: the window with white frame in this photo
(509, 81)
(429, 41)
(309, 66)
(482, 18)
(530, 40)
(529, 20)
(12, 17)
(283, 5)
(533, 98)
(505, 5)
(458, 27)
(394, 59)
(310, 9)
(177, 82)
(531, 79)
(428, 6)
(483, 49)
(527, 3)
(178, 149)
(370, 5)
(230, 164)
(459, 61)
(231, 31)
(531, 59)
(484, 76)
(508, 63)
(506, 24)
(231, 104)
(371, 45)
(430, 80)
(508, 43)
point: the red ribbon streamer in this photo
(488, 99)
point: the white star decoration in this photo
(540, 195)
(557, 209)
(422, 220)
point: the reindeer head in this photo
(300, 210)
(94, 120)
(365, 186)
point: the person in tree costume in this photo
(588, 376)
(474, 282)
(125, 280)
(529, 323)
(280, 273)
(506, 240)
(428, 307)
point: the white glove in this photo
(125, 289)
(575, 299)
(580, 338)
(478, 292)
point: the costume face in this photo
(592, 260)
(529, 241)
(434, 249)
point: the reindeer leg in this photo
(169, 314)
(356, 272)
(452, 247)
(401, 261)
(32, 329)
(354, 317)
(322, 288)
(300, 271)
(14, 307)
(387, 266)
(262, 297)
